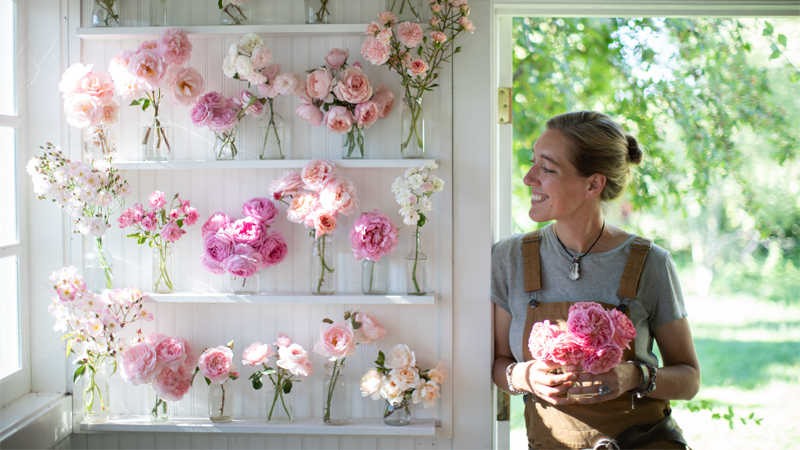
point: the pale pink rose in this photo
(174, 46)
(192, 216)
(384, 98)
(290, 183)
(295, 359)
(191, 356)
(157, 200)
(438, 374)
(393, 390)
(110, 113)
(375, 51)
(261, 209)
(217, 364)
(301, 207)
(324, 222)
(566, 350)
(603, 359)
(373, 28)
(261, 57)
(201, 114)
(268, 90)
(438, 37)
(385, 35)
(148, 68)
(271, 71)
(215, 222)
(366, 113)
(585, 305)
(273, 249)
(283, 340)
(409, 34)
(173, 385)
(435, 20)
(417, 68)
(624, 331)
(542, 335)
(457, 3)
(257, 353)
(466, 24)
(185, 85)
(336, 57)
(353, 86)
(317, 173)
(211, 265)
(244, 262)
(244, 98)
(223, 119)
(127, 87)
(170, 351)
(339, 194)
(286, 83)
(119, 63)
(310, 114)
(171, 232)
(70, 83)
(97, 84)
(370, 330)
(218, 245)
(591, 327)
(400, 356)
(83, 110)
(371, 384)
(318, 84)
(148, 45)
(436, 7)
(247, 231)
(338, 120)
(387, 17)
(373, 236)
(336, 340)
(139, 364)
(429, 393)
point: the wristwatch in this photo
(511, 387)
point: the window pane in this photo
(8, 66)
(9, 316)
(8, 186)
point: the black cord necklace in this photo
(575, 267)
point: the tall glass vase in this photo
(96, 400)
(162, 265)
(279, 407)
(271, 130)
(353, 143)
(405, 10)
(319, 11)
(158, 13)
(412, 129)
(246, 285)
(220, 402)
(105, 13)
(375, 277)
(225, 145)
(155, 139)
(416, 280)
(334, 405)
(323, 264)
(97, 265)
(159, 408)
(233, 14)
(397, 414)
(99, 143)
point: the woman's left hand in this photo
(608, 385)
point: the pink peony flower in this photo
(174, 46)
(148, 68)
(370, 330)
(247, 231)
(243, 99)
(339, 120)
(211, 265)
(217, 364)
(218, 246)
(409, 34)
(257, 353)
(139, 364)
(271, 71)
(173, 385)
(324, 222)
(288, 84)
(149, 223)
(301, 207)
(366, 113)
(191, 216)
(290, 183)
(157, 200)
(591, 327)
(295, 359)
(542, 335)
(373, 236)
(185, 85)
(603, 359)
(565, 349)
(353, 86)
(170, 351)
(385, 35)
(261, 209)
(201, 114)
(336, 340)
(261, 57)
(584, 306)
(244, 262)
(318, 84)
(336, 58)
(310, 114)
(624, 331)
(375, 51)
(384, 99)
(172, 232)
(268, 90)
(215, 222)
(273, 249)
(317, 173)
(339, 194)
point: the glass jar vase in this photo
(96, 399)
(155, 140)
(397, 414)
(158, 13)
(97, 265)
(220, 402)
(375, 277)
(162, 265)
(412, 129)
(105, 13)
(323, 264)
(416, 279)
(271, 131)
(279, 407)
(334, 405)
(246, 285)
(159, 408)
(318, 11)
(233, 14)
(405, 10)
(225, 145)
(99, 143)
(353, 143)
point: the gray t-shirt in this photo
(658, 301)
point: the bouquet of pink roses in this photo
(373, 236)
(160, 227)
(245, 246)
(292, 361)
(222, 115)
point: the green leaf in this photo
(78, 373)
(767, 29)
(208, 382)
(381, 358)
(135, 103)
(326, 320)
(66, 336)
(180, 223)
(219, 4)
(236, 76)
(113, 363)
(258, 384)
(90, 402)
(782, 40)
(287, 386)
(69, 347)
(775, 54)
(145, 104)
(422, 220)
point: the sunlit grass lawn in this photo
(750, 358)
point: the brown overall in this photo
(583, 425)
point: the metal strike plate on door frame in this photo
(504, 105)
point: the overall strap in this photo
(629, 282)
(531, 262)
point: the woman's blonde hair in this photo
(599, 145)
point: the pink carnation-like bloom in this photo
(201, 114)
(387, 17)
(353, 86)
(261, 209)
(339, 120)
(217, 364)
(172, 232)
(191, 216)
(624, 331)
(438, 37)
(584, 305)
(366, 113)
(148, 222)
(603, 359)
(317, 173)
(592, 327)
(139, 364)
(173, 385)
(290, 183)
(174, 46)
(384, 99)
(223, 119)
(409, 34)
(373, 236)
(70, 83)
(97, 84)
(295, 359)
(466, 24)
(273, 249)
(339, 194)
(375, 51)
(244, 262)
(542, 335)
(370, 330)
(336, 340)
(157, 200)
(83, 110)
(170, 351)
(214, 223)
(336, 57)
(247, 231)
(257, 353)
(565, 349)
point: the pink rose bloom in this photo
(218, 246)
(149, 45)
(273, 250)
(83, 110)
(157, 200)
(139, 364)
(336, 57)
(375, 51)
(338, 120)
(565, 349)
(542, 335)
(409, 34)
(247, 231)
(318, 84)
(290, 183)
(387, 17)
(287, 83)
(148, 68)
(466, 24)
(310, 114)
(384, 98)
(172, 232)
(217, 364)
(434, 20)
(125, 219)
(260, 57)
(268, 90)
(223, 119)
(295, 359)
(149, 223)
(185, 85)
(214, 223)
(302, 205)
(192, 216)
(201, 114)
(257, 353)
(243, 99)
(214, 99)
(174, 46)
(602, 360)
(138, 212)
(385, 35)
(373, 236)
(110, 113)
(261, 209)
(370, 330)
(244, 262)
(283, 340)
(70, 83)
(339, 194)
(271, 71)
(366, 113)
(317, 173)
(624, 331)
(373, 28)
(324, 222)
(438, 37)
(211, 265)
(353, 86)
(97, 84)
(173, 385)
(336, 340)
(119, 64)
(591, 327)
(584, 306)
(418, 68)
(170, 351)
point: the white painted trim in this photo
(10, 250)
(284, 298)
(11, 121)
(36, 421)
(217, 31)
(652, 8)
(269, 164)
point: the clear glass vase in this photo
(412, 129)
(397, 414)
(416, 280)
(225, 145)
(353, 143)
(220, 402)
(232, 14)
(319, 11)
(334, 406)
(159, 408)
(323, 264)
(375, 277)
(96, 400)
(271, 131)
(105, 13)
(246, 285)
(405, 10)
(162, 265)
(158, 13)
(279, 407)
(99, 143)
(97, 265)
(155, 140)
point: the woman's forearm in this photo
(676, 382)
(499, 373)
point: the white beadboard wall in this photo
(427, 329)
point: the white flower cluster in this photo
(86, 192)
(413, 192)
(247, 59)
(398, 378)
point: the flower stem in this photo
(334, 378)
(320, 244)
(272, 126)
(416, 259)
(103, 263)
(222, 403)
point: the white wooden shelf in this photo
(259, 425)
(214, 31)
(268, 164)
(278, 298)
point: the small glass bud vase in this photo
(246, 285)
(159, 408)
(416, 280)
(235, 14)
(158, 13)
(405, 10)
(323, 265)
(99, 143)
(155, 140)
(96, 399)
(279, 407)
(319, 11)
(162, 265)
(97, 265)
(334, 404)
(397, 414)
(220, 402)
(353, 143)
(375, 277)
(225, 145)
(271, 131)
(105, 13)
(412, 129)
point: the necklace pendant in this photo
(574, 271)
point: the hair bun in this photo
(634, 152)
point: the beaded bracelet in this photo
(511, 387)
(648, 381)
(651, 385)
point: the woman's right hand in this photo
(533, 377)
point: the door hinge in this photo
(504, 105)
